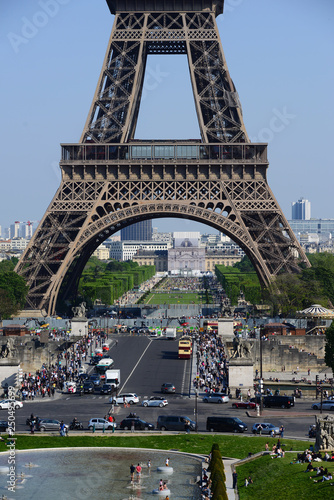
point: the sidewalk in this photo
(228, 463)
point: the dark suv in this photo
(225, 424)
(278, 401)
(88, 387)
(174, 423)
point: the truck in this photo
(170, 333)
(113, 377)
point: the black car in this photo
(168, 388)
(139, 424)
(88, 387)
(106, 389)
(3, 426)
(82, 377)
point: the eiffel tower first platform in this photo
(110, 181)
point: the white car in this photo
(5, 404)
(155, 401)
(100, 423)
(130, 398)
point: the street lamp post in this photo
(261, 378)
(196, 410)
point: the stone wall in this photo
(291, 352)
(30, 354)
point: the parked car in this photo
(216, 397)
(3, 426)
(155, 401)
(244, 404)
(129, 398)
(328, 404)
(100, 424)
(5, 404)
(225, 424)
(168, 388)
(266, 428)
(139, 424)
(49, 424)
(106, 389)
(174, 423)
(88, 387)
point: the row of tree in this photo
(288, 293)
(108, 281)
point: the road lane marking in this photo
(148, 345)
(184, 376)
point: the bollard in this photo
(103, 430)
(94, 428)
(257, 410)
(113, 428)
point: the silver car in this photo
(328, 404)
(155, 401)
(100, 423)
(265, 428)
(216, 397)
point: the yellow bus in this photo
(185, 347)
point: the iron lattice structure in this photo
(110, 181)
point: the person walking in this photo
(235, 480)
(132, 471)
(138, 471)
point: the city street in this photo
(145, 364)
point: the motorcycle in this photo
(76, 426)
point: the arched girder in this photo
(97, 232)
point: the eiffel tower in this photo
(110, 181)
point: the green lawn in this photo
(230, 446)
(174, 298)
(279, 479)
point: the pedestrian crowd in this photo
(211, 362)
(65, 368)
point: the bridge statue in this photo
(241, 348)
(324, 432)
(8, 349)
(80, 310)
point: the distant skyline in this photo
(280, 57)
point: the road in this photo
(145, 364)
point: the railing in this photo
(240, 152)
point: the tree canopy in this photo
(13, 290)
(329, 347)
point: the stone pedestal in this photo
(225, 328)
(9, 372)
(241, 375)
(79, 327)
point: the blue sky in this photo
(280, 56)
